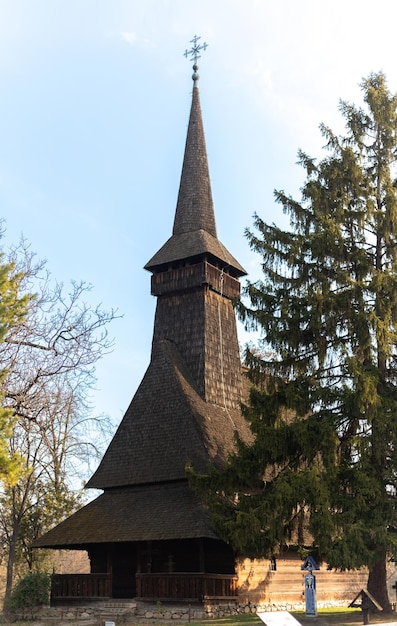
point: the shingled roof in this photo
(155, 512)
(168, 420)
(194, 232)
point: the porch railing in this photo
(72, 588)
(186, 586)
(76, 586)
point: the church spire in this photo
(194, 232)
(195, 208)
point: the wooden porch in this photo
(181, 586)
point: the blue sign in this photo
(310, 594)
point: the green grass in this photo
(337, 613)
(336, 616)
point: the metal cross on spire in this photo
(194, 54)
(197, 47)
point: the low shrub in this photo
(32, 590)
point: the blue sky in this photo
(95, 98)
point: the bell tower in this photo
(195, 278)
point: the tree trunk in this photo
(377, 583)
(10, 563)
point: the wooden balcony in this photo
(74, 588)
(186, 586)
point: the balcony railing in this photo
(186, 586)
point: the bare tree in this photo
(50, 359)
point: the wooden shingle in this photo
(187, 407)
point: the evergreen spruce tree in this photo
(322, 470)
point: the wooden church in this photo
(147, 536)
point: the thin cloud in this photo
(129, 37)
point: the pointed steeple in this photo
(195, 208)
(194, 231)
